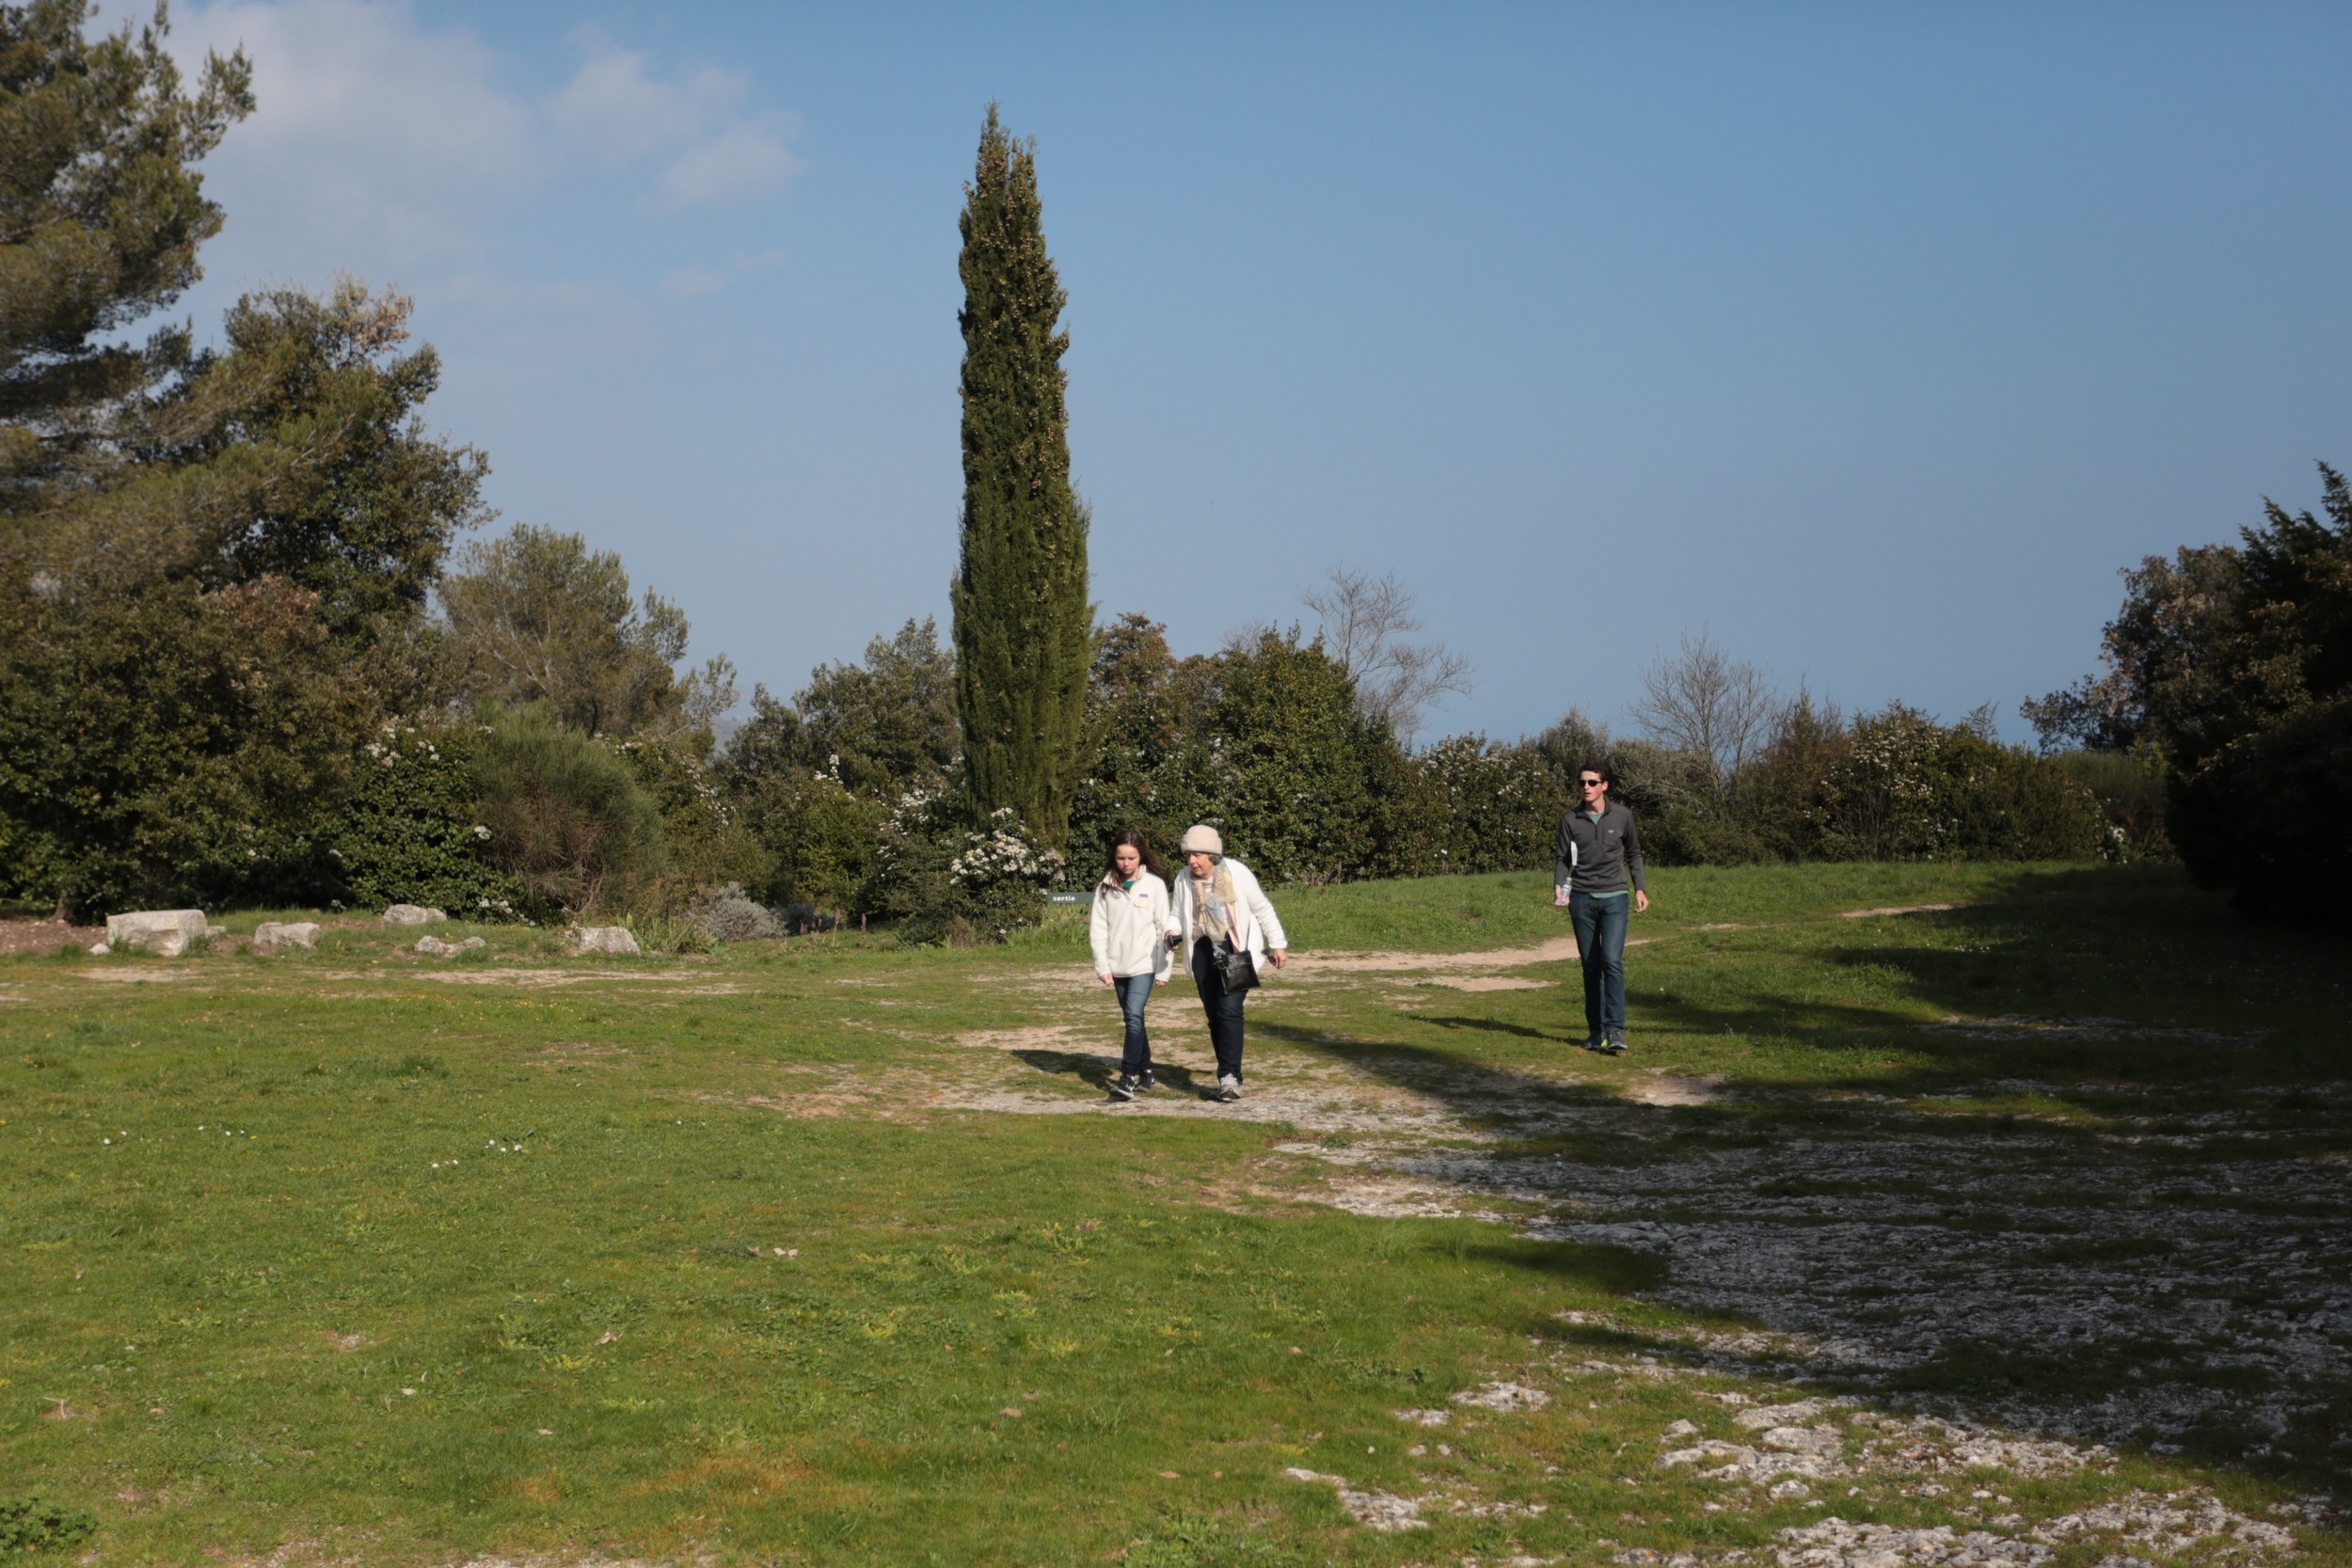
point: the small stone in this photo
(271, 935)
(99, 949)
(606, 939)
(412, 914)
(434, 947)
(166, 933)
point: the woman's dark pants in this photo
(1223, 1007)
(1600, 945)
(1135, 1058)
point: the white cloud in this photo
(615, 106)
(392, 150)
(370, 131)
(694, 282)
(746, 160)
(612, 106)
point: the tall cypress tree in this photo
(1023, 630)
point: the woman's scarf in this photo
(1214, 911)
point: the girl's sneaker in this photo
(1146, 1083)
(1122, 1087)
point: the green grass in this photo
(317, 1253)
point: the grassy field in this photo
(2014, 1218)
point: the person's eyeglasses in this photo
(1590, 783)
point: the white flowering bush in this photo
(412, 832)
(943, 881)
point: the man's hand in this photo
(1279, 955)
(1641, 902)
(1560, 896)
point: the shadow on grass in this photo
(2134, 946)
(1099, 1071)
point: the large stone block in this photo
(271, 935)
(606, 939)
(165, 932)
(411, 914)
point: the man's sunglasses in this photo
(1592, 783)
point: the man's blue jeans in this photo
(1600, 945)
(1135, 1057)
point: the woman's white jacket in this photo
(1255, 926)
(1130, 928)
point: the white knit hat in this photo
(1200, 839)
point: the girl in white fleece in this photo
(1134, 931)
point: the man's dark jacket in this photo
(1603, 851)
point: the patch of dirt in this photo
(1898, 908)
(1485, 982)
(1557, 950)
(45, 936)
(134, 976)
(1661, 1088)
(1503, 1396)
(1382, 1511)
(2022, 1026)
(540, 978)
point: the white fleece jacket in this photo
(1130, 928)
(1255, 926)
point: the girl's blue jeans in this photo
(1134, 991)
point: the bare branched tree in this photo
(1702, 700)
(1366, 620)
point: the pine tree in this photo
(1022, 627)
(102, 211)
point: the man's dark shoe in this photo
(1617, 1046)
(1122, 1087)
(1146, 1083)
(1596, 1043)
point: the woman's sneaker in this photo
(1228, 1089)
(1122, 1087)
(1146, 1083)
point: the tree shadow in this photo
(2069, 1174)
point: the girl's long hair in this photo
(1141, 847)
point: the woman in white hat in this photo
(1231, 932)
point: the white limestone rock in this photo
(271, 935)
(606, 939)
(164, 932)
(434, 947)
(412, 914)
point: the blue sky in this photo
(1872, 338)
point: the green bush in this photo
(37, 1524)
(705, 838)
(819, 838)
(1290, 763)
(566, 816)
(2281, 798)
(412, 832)
(2129, 788)
(1911, 788)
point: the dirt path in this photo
(1887, 1244)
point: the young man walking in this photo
(1596, 873)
